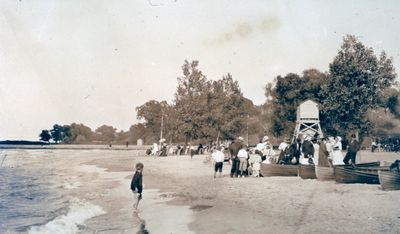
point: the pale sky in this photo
(93, 62)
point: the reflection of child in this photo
(136, 184)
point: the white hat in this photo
(265, 138)
(162, 140)
(240, 138)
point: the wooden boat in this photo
(307, 172)
(389, 180)
(368, 164)
(324, 173)
(367, 175)
(279, 170)
(327, 173)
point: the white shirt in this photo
(242, 153)
(261, 146)
(283, 146)
(218, 156)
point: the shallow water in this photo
(28, 198)
(60, 191)
(33, 197)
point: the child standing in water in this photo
(136, 184)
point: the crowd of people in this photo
(309, 150)
(246, 161)
(388, 145)
(163, 149)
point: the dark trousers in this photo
(235, 167)
(350, 156)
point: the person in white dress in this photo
(337, 151)
(329, 143)
(316, 150)
(255, 162)
(155, 149)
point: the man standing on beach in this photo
(218, 157)
(234, 149)
(136, 184)
(354, 147)
(243, 156)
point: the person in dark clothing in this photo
(352, 150)
(308, 150)
(163, 152)
(234, 149)
(200, 149)
(323, 155)
(136, 184)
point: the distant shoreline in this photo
(73, 147)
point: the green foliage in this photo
(45, 135)
(61, 133)
(191, 101)
(138, 131)
(289, 91)
(81, 134)
(228, 109)
(151, 113)
(356, 80)
(105, 133)
(392, 104)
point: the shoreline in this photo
(186, 192)
(268, 204)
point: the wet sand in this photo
(181, 196)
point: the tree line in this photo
(358, 83)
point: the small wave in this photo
(78, 213)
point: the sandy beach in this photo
(181, 196)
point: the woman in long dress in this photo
(337, 151)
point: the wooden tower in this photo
(307, 123)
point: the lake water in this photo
(32, 199)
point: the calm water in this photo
(28, 198)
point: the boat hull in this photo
(369, 164)
(364, 175)
(307, 172)
(279, 170)
(389, 180)
(324, 173)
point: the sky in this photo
(94, 61)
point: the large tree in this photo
(191, 101)
(151, 113)
(45, 135)
(81, 134)
(287, 93)
(229, 110)
(106, 133)
(357, 78)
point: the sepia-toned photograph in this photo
(214, 117)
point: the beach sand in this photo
(181, 196)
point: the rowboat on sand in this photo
(390, 180)
(366, 175)
(279, 170)
(324, 173)
(327, 173)
(307, 172)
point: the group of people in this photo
(163, 149)
(309, 151)
(319, 151)
(243, 163)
